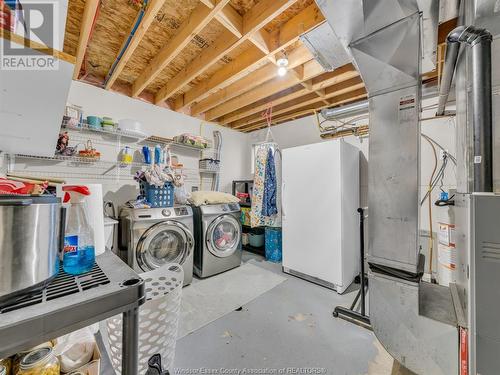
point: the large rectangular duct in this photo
(326, 47)
(384, 37)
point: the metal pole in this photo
(450, 62)
(350, 314)
(479, 40)
(362, 253)
(482, 113)
(130, 342)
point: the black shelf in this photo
(255, 250)
(73, 302)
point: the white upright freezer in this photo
(320, 220)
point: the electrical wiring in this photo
(350, 124)
(438, 177)
(429, 191)
(447, 202)
(453, 159)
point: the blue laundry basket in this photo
(273, 245)
(158, 196)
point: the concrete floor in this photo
(290, 327)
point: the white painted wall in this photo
(156, 121)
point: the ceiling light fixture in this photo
(282, 63)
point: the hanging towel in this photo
(269, 207)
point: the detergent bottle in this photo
(79, 248)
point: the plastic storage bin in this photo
(158, 319)
(158, 196)
(273, 245)
(212, 165)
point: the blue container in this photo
(158, 196)
(273, 245)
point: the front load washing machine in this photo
(217, 231)
(152, 237)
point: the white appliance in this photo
(320, 219)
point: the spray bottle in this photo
(79, 247)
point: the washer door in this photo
(223, 236)
(165, 242)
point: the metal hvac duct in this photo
(345, 110)
(415, 322)
(479, 40)
(326, 47)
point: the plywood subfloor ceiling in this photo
(213, 59)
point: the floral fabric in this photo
(257, 219)
(269, 207)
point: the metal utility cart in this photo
(73, 302)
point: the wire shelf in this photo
(84, 127)
(63, 285)
(95, 162)
(170, 142)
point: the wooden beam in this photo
(208, 3)
(228, 74)
(339, 89)
(152, 10)
(445, 28)
(261, 40)
(42, 48)
(263, 12)
(311, 69)
(253, 20)
(231, 20)
(305, 20)
(89, 13)
(296, 58)
(310, 109)
(198, 19)
(341, 74)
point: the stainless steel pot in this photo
(31, 237)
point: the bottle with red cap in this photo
(79, 248)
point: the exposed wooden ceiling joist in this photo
(311, 109)
(333, 91)
(279, 39)
(89, 13)
(342, 74)
(233, 80)
(152, 10)
(233, 22)
(296, 58)
(311, 69)
(253, 20)
(199, 18)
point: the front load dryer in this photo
(217, 230)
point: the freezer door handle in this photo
(283, 199)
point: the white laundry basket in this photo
(158, 319)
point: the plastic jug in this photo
(79, 247)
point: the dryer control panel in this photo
(181, 211)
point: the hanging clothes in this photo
(257, 219)
(269, 206)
